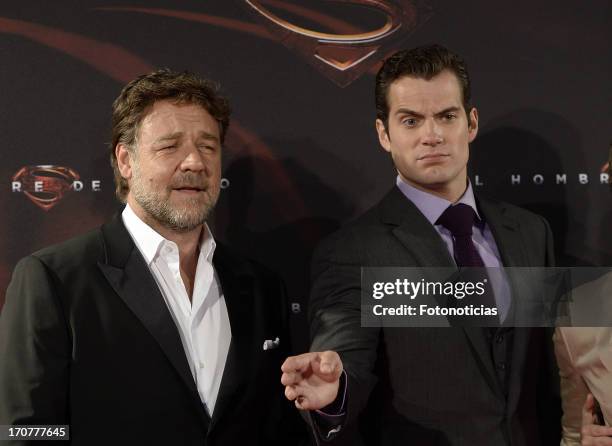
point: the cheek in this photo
(465, 151)
(214, 168)
(403, 155)
(463, 136)
(158, 179)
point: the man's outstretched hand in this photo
(312, 379)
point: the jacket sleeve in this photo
(34, 347)
(282, 423)
(335, 324)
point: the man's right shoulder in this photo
(76, 252)
(348, 242)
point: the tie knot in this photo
(458, 219)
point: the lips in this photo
(433, 157)
(189, 186)
(191, 190)
(189, 182)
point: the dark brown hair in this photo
(139, 95)
(423, 62)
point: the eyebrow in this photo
(178, 135)
(407, 111)
(206, 135)
(170, 137)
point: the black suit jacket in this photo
(431, 386)
(86, 339)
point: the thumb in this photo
(330, 363)
(296, 363)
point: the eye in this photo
(409, 122)
(207, 148)
(169, 147)
(450, 116)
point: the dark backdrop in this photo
(302, 156)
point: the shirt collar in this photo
(432, 206)
(149, 241)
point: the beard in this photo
(184, 217)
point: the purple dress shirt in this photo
(432, 207)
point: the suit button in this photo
(499, 339)
(501, 366)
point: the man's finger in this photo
(299, 362)
(304, 403)
(291, 393)
(299, 403)
(290, 378)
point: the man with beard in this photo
(147, 330)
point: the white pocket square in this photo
(270, 344)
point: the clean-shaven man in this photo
(459, 386)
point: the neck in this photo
(188, 242)
(449, 191)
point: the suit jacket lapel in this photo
(511, 248)
(424, 243)
(127, 272)
(428, 249)
(237, 286)
(414, 231)
(505, 230)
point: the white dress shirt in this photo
(203, 323)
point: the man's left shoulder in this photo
(510, 211)
(242, 275)
(250, 284)
(231, 261)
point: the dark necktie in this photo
(459, 220)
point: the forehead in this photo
(442, 90)
(165, 117)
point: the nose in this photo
(193, 160)
(432, 133)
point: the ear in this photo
(472, 124)
(383, 135)
(124, 161)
